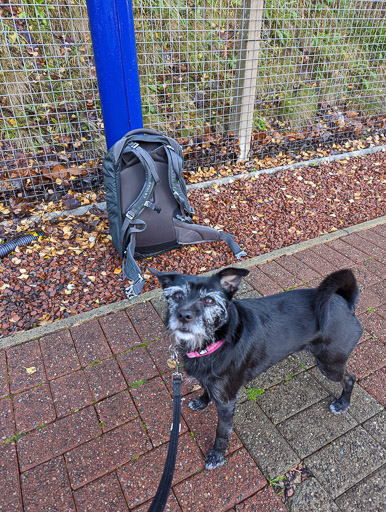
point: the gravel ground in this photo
(75, 268)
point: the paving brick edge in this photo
(38, 332)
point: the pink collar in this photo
(208, 350)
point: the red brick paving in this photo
(4, 388)
(59, 354)
(99, 456)
(340, 245)
(102, 495)
(155, 406)
(367, 357)
(375, 384)
(116, 410)
(262, 283)
(10, 495)
(107, 406)
(66, 433)
(146, 321)
(119, 332)
(90, 342)
(233, 482)
(46, 487)
(137, 365)
(140, 477)
(7, 422)
(105, 379)
(25, 366)
(263, 501)
(70, 393)
(33, 408)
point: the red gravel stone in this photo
(10, 496)
(90, 342)
(4, 388)
(25, 366)
(264, 501)
(116, 410)
(280, 275)
(7, 422)
(33, 408)
(102, 495)
(100, 456)
(155, 406)
(70, 392)
(137, 365)
(41, 445)
(367, 357)
(146, 321)
(46, 487)
(375, 384)
(119, 332)
(261, 282)
(221, 489)
(105, 379)
(59, 354)
(140, 477)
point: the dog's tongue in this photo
(206, 351)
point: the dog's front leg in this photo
(225, 413)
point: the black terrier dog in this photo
(226, 343)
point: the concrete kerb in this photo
(38, 332)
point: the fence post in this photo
(244, 93)
(113, 38)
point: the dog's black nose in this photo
(185, 315)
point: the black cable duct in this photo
(9, 246)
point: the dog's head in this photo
(198, 306)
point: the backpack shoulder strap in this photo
(176, 182)
(188, 233)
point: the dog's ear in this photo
(230, 278)
(165, 278)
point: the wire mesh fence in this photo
(230, 79)
(50, 124)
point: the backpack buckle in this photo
(131, 290)
(130, 214)
(134, 145)
(170, 147)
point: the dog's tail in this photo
(342, 283)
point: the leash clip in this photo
(174, 357)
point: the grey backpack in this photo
(147, 202)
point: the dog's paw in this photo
(214, 459)
(338, 407)
(198, 404)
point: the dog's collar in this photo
(206, 351)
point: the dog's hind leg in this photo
(216, 455)
(201, 402)
(340, 405)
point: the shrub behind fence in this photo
(229, 78)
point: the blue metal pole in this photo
(113, 38)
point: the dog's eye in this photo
(177, 296)
(208, 301)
